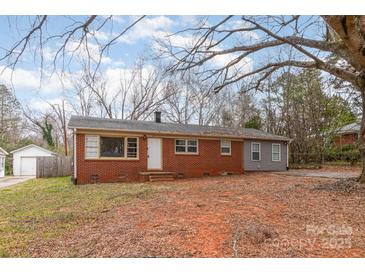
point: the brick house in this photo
(113, 150)
(347, 135)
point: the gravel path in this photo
(322, 174)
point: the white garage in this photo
(25, 159)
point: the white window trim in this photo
(97, 146)
(230, 147)
(186, 146)
(272, 152)
(113, 158)
(256, 151)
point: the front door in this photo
(154, 153)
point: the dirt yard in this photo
(252, 215)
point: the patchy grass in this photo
(252, 215)
(47, 208)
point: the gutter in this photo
(186, 134)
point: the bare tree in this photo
(9, 115)
(177, 106)
(98, 87)
(60, 113)
(140, 92)
(126, 82)
(80, 98)
(43, 124)
(147, 91)
(205, 104)
(190, 100)
(333, 44)
(79, 35)
(143, 92)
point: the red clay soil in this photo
(252, 215)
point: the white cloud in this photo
(188, 20)
(113, 77)
(244, 66)
(247, 35)
(84, 51)
(31, 81)
(149, 27)
(103, 35)
(119, 18)
(41, 105)
(184, 41)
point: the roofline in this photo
(33, 145)
(4, 151)
(278, 138)
(349, 131)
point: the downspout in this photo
(74, 179)
(243, 156)
(287, 154)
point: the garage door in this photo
(28, 166)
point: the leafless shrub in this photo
(346, 186)
(254, 232)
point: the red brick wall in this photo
(108, 170)
(208, 160)
(345, 139)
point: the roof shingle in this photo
(350, 128)
(86, 122)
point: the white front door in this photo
(154, 153)
(28, 166)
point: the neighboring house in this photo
(25, 159)
(110, 150)
(347, 135)
(3, 154)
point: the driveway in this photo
(331, 172)
(13, 180)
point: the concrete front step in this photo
(159, 178)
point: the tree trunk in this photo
(362, 138)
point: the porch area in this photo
(157, 176)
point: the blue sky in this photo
(33, 91)
(26, 79)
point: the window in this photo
(132, 147)
(255, 151)
(225, 147)
(186, 146)
(192, 146)
(276, 152)
(97, 147)
(91, 147)
(180, 145)
(111, 147)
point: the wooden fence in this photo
(53, 166)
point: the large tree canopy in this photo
(251, 50)
(333, 44)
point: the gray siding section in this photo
(265, 163)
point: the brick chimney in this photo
(158, 116)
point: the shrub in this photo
(348, 153)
